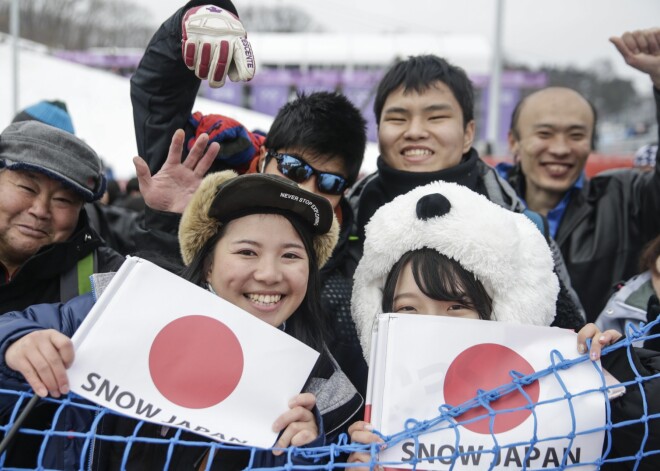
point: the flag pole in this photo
(14, 30)
(495, 88)
(9, 437)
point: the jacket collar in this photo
(54, 259)
(344, 214)
(391, 183)
(399, 182)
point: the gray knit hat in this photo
(38, 147)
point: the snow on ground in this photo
(99, 103)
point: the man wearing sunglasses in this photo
(318, 141)
(295, 168)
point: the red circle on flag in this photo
(487, 366)
(196, 361)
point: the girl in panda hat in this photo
(458, 248)
(442, 249)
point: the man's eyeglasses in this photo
(296, 169)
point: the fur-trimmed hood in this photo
(197, 226)
(503, 249)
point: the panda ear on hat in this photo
(504, 250)
(432, 205)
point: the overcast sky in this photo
(560, 32)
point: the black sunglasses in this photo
(296, 169)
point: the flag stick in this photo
(9, 437)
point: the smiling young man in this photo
(600, 224)
(424, 108)
(424, 132)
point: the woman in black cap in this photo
(258, 241)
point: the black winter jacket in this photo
(38, 279)
(115, 225)
(163, 89)
(626, 441)
(384, 185)
(604, 228)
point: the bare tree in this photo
(610, 94)
(81, 24)
(278, 19)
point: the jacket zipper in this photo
(90, 460)
(349, 417)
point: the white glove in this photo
(214, 45)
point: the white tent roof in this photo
(473, 52)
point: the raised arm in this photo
(172, 187)
(641, 50)
(164, 88)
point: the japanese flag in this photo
(423, 362)
(158, 348)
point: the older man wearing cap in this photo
(47, 249)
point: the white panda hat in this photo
(504, 250)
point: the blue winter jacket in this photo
(64, 453)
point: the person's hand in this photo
(298, 423)
(598, 339)
(641, 50)
(42, 357)
(362, 432)
(214, 44)
(171, 188)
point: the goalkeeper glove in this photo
(214, 44)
